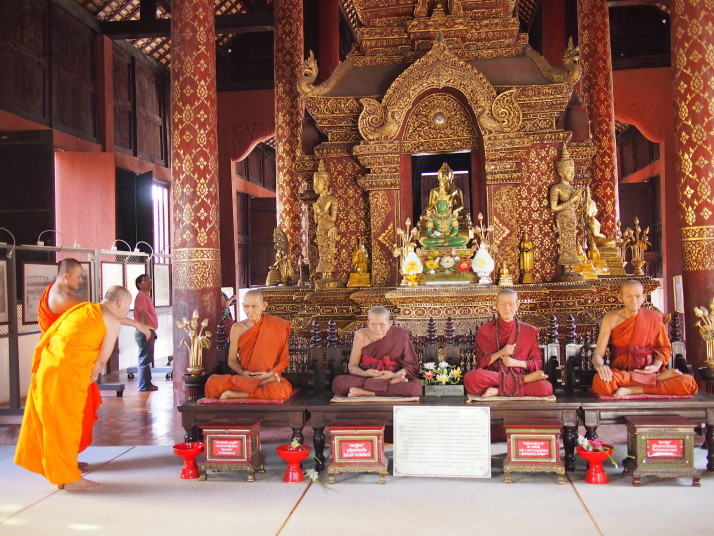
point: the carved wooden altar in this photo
(423, 78)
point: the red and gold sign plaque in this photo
(665, 448)
(232, 448)
(362, 444)
(660, 445)
(533, 447)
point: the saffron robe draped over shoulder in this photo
(263, 347)
(636, 343)
(45, 318)
(62, 364)
(397, 345)
(478, 380)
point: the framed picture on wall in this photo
(678, 293)
(162, 285)
(134, 270)
(112, 274)
(84, 292)
(36, 276)
(3, 293)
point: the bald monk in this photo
(57, 299)
(258, 353)
(509, 360)
(382, 362)
(639, 349)
(69, 358)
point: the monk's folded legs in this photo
(349, 385)
(669, 382)
(482, 382)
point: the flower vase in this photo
(483, 265)
(638, 265)
(596, 473)
(189, 452)
(293, 473)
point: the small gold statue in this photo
(360, 276)
(504, 277)
(585, 268)
(446, 182)
(281, 271)
(525, 259)
(564, 201)
(593, 225)
(325, 214)
(706, 330)
(595, 259)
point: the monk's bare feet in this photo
(358, 391)
(230, 395)
(535, 376)
(82, 466)
(628, 391)
(81, 485)
(270, 379)
(667, 374)
(491, 391)
(398, 379)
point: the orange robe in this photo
(264, 347)
(51, 430)
(45, 318)
(636, 343)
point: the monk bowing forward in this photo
(382, 362)
(508, 357)
(639, 349)
(258, 353)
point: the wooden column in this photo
(329, 38)
(554, 38)
(289, 106)
(692, 44)
(596, 83)
(196, 244)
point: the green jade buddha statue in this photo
(442, 225)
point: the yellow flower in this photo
(411, 268)
(442, 378)
(431, 264)
(456, 373)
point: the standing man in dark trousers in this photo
(145, 312)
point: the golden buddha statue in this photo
(325, 214)
(525, 258)
(359, 275)
(446, 182)
(504, 276)
(441, 228)
(564, 200)
(593, 225)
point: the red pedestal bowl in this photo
(293, 473)
(596, 474)
(189, 452)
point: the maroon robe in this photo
(496, 375)
(397, 345)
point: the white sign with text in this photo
(442, 441)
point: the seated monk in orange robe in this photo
(509, 360)
(69, 358)
(258, 354)
(639, 349)
(382, 362)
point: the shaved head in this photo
(116, 293)
(254, 292)
(630, 283)
(379, 310)
(68, 265)
(506, 292)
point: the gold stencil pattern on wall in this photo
(505, 227)
(382, 257)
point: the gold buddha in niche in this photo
(446, 181)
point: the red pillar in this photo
(329, 38)
(194, 170)
(596, 83)
(554, 37)
(288, 63)
(692, 70)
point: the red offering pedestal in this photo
(533, 447)
(189, 452)
(596, 474)
(357, 447)
(293, 473)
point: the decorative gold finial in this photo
(706, 330)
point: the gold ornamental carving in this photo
(439, 123)
(196, 268)
(564, 202)
(570, 73)
(310, 72)
(697, 247)
(439, 69)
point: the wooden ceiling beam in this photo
(238, 23)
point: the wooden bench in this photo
(317, 359)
